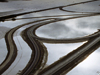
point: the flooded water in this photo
(71, 28)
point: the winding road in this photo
(81, 53)
(39, 54)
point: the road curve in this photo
(12, 50)
(68, 62)
(37, 54)
(62, 8)
(72, 40)
(80, 52)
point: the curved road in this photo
(73, 40)
(86, 47)
(65, 64)
(37, 48)
(12, 50)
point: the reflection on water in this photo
(65, 29)
(85, 7)
(3, 50)
(90, 66)
(56, 51)
(70, 29)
